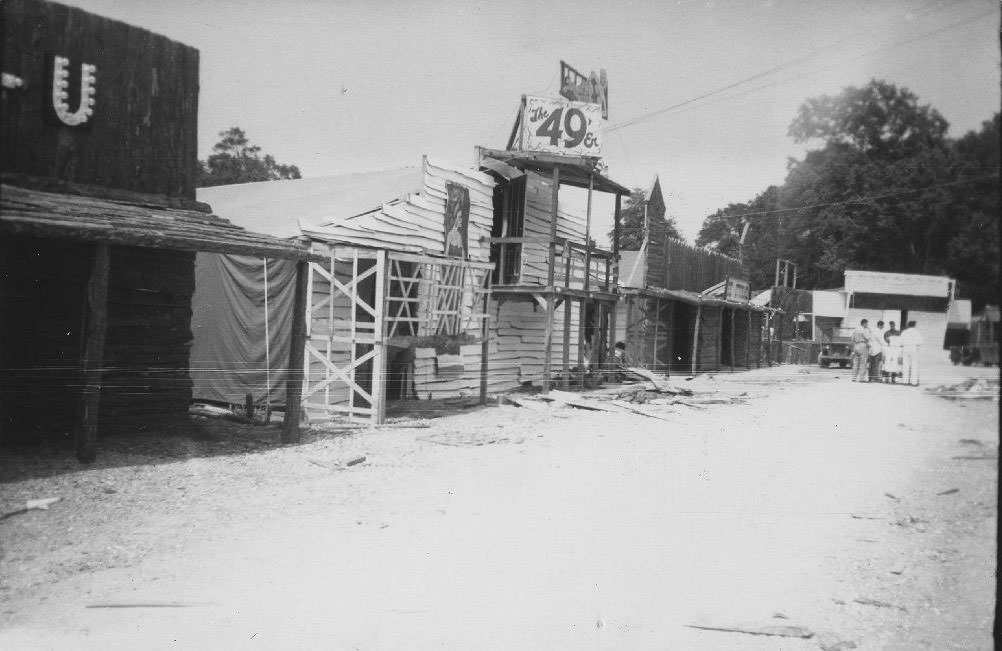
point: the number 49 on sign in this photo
(561, 126)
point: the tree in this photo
(632, 219)
(886, 191)
(235, 160)
(878, 120)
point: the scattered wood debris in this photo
(950, 491)
(776, 630)
(876, 603)
(969, 389)
(152, 604)
(32, 505)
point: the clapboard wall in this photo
(416, 223)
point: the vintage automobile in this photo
(836, 348)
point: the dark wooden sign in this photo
(93, 101)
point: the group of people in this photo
(884, 355)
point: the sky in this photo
(336, 87)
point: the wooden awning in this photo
(38, 213)
(692, 298)
(574, 170)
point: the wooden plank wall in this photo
(708, 353)
(518, 328)
(673, 264)
(143, 135)
(417, 224)
(149, 333)
(538, 208)
(145, 373)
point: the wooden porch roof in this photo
(574, 170)
(38, 213)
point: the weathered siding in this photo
(710, 331)
(417, 223)
(673, 264)
(142, 136)
(42, 285)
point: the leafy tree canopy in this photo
(632, 220)
(235, 160)
(879, 120)
(887, 191)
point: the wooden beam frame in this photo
(548, 341)
(297, 354)
(695, 337)
(95, 327)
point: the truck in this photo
(836, 348)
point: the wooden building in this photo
(685, 309)
(553, 293)
(99, 225)
(395, 299)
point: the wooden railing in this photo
(535, 261)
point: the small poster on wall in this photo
(457, 220)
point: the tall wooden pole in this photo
(695, 336)
(732, 339)
(485, 333)
(297, 354)
(670, 327)
(550, 290)
(587, 278)
(92, 358)
(748, 342)
(615, 270)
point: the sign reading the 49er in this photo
(560, 126)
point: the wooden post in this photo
(587, 278)
(92, 359)
(615, 268)
(297, 354)
(379, 361)
(720, 338)
(548, 340)
(657, 322)
(732, 339)
(566, 381)
(748, 342)
(670, 344)
(695, 336)
(485, 331)
(581, 339)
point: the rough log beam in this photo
(297, 352)
(92, 360)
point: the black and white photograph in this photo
(452, 324)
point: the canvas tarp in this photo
(239, 346)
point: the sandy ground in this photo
(858, 516)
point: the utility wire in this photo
(783, 66)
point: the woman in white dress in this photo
(892, 357)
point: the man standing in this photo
(911, 340)
(860, 338)
(876, 345)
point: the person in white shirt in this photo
(876, 348)
(911, 340)
(860, 339)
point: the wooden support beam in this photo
(297, 354)
(581, 337)
(670, 344)
(720, 339)
(748, 342)
(587, 278)
(657, 323)
(548, 345)
(484, 350)
(695, 336)
(732, 338)
(95, 326)
(379, 356)
(566, 381)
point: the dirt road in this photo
(843, 515)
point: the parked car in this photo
(836, 348)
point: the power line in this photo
(783, 66)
